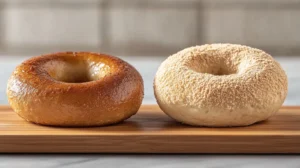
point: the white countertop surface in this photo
(147, 66)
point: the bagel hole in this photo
(213, 67)
(215, 71)
(222, 71)
(76, 71)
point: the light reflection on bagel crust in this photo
(75, 89)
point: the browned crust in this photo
(38, 98)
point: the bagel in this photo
(220, 85)
(75, 89)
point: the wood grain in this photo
(151, 131)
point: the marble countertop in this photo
(147, 66)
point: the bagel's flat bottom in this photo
(151, 131)
(216, 117)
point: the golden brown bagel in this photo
(220, 85)
(75, 89)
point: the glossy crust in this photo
(37, 97)
(220, 85)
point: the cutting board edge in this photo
(152, 144)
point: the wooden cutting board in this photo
(151, 131)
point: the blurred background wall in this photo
(146, 27)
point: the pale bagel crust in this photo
(75, 89)
(220, 85)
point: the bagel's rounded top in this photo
(225, 76)
(82, 70)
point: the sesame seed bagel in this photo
(220, 85)
(75, 89)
